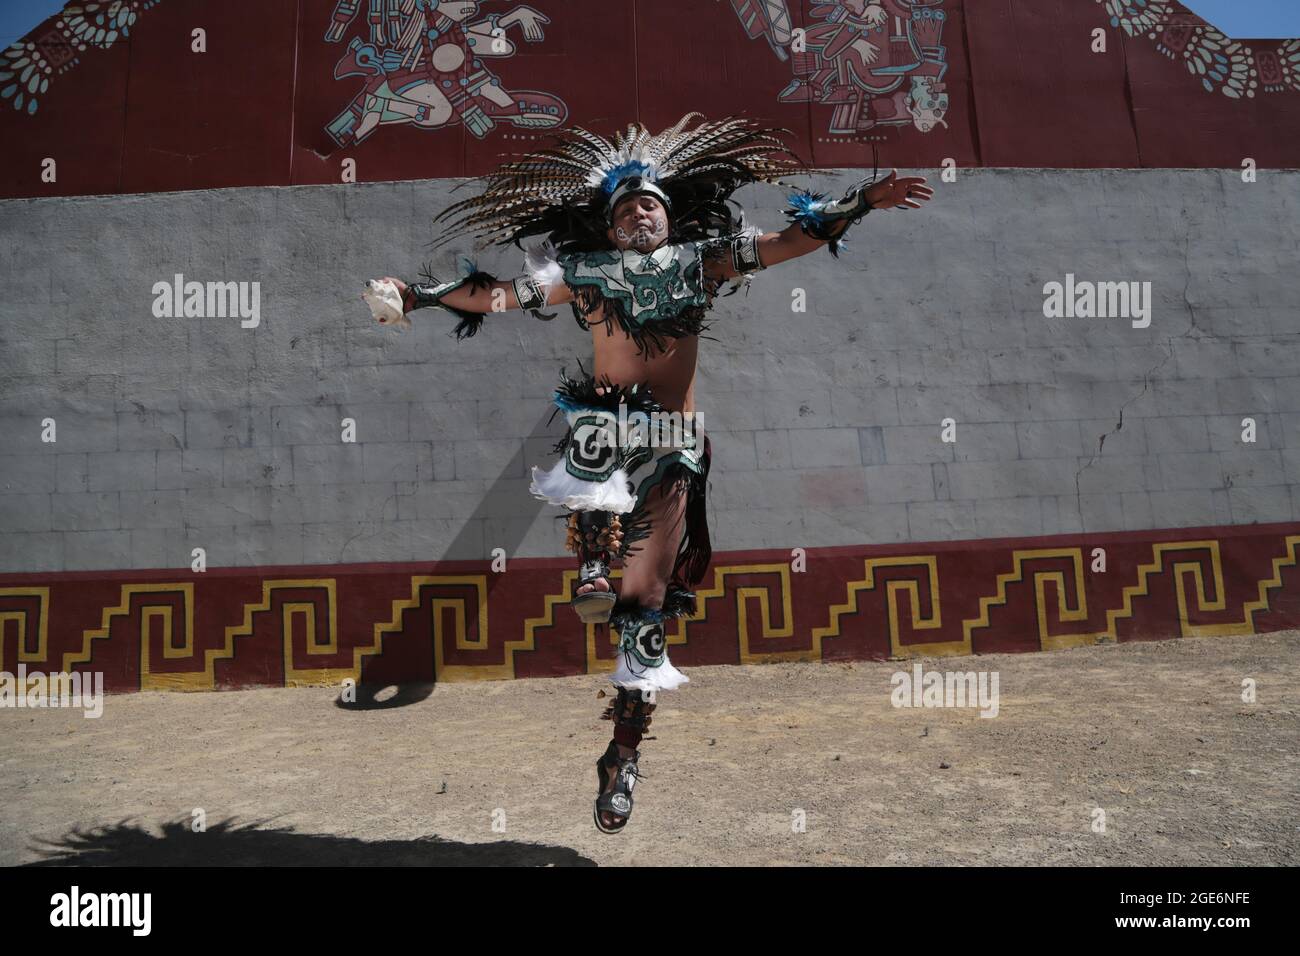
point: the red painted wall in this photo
(393, 623)
(141, 112)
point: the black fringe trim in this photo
(582, 391)
(679, 602)
(696, 550)
(636, 527)
(470, 322)
(691, 320)
(627, 612)
(637, 524)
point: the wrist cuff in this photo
(424, 295)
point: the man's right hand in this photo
(403, 290)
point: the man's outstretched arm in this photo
(493, 296)
(797, 239)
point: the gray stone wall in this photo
(174, 433)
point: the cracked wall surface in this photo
(176, 433)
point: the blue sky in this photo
(1250, 19)
(17, 17)
(1255, 19)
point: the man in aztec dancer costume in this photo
(639, 238)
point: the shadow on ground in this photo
(375, 696)
(230, 843)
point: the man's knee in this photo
(642, 589)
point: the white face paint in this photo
(644, 237)
(640, 223)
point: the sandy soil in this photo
(1154, 734)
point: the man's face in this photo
(640, 223)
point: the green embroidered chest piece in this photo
(650, 287)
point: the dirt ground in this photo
(1156, 735)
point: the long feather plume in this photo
(560, 191)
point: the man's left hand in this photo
(893, 192)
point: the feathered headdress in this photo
(564, 192)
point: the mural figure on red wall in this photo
(879, 63)
(1221, 63)
(27, 65)
(424, 65)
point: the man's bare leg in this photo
(647, 571)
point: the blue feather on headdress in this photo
(622, 171)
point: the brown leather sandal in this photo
(617, 802)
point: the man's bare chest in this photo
(669, 373)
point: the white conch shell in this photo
(385, 303)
